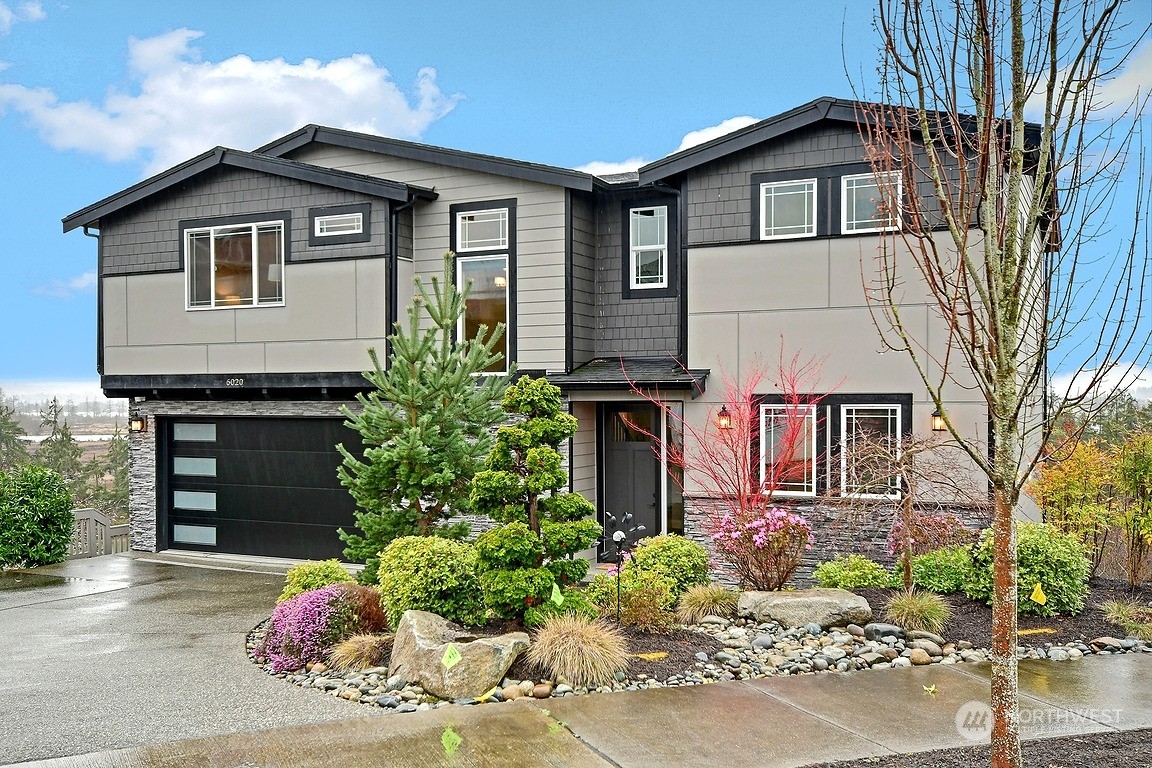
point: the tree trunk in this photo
(1005, 683)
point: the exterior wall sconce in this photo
(938, 424)
(724, 419)
(138, 424)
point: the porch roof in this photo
(622, 373)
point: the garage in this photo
(254, 486)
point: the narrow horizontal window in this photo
(788, 449)
(648, 238)
(870, 202)
(193, 466)
(198, 432)
(235, 266)
(339, 224)
(788, 209)
(205, 535)
(201, 501)
(482, 230)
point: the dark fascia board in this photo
(353, 182)
(824, 108)
(409, 150)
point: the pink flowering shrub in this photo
(764, 546)
(304, 628)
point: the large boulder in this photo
(826, 607)
(420, 648)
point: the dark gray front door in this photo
(629, 468)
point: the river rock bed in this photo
(751, 650)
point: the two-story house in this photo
(239, 293)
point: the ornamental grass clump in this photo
(583, 651)
(706, 600)
(313, 575)
(361, 652)
(306, 627)
(919, 611)
(1132, 617)
(763, 546)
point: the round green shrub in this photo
(944, 571)
(851, 572)
(574, 603)
(35, 518)
(312, 575)
(510, 593)
(602, 591)
(680, 560)
(428, 573)
(1046, 557)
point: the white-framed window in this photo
(338, 224)
(869, 443)
(788, 449)
(235, 265)
(788, 209)
(488, 301)
(868, 206)
(482, 230)
(648, 247)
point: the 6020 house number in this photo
(234, 382)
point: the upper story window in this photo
(787, 209)
(870, 443)
(648, 236)
(235, 265)
(340, 225)
(788, 449)
(482, 230)
(869, 206)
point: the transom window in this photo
(868, 206)
(238, 265)
(487, 303)
(870, 443)
(788, 209)
(788, 449)
(482, 230)
(339, 224)
(648, 234)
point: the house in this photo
(239, 292)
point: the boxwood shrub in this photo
(682, 561)
(312, 575)
(945, 571)
(428, 573)
(852, 572)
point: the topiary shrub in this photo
(945, 571)
(918, 611)
(428, 573)
(580, 650)
(681, 560)
(306, 627)
(312, 575)
(706, 600)
(1046, 557)
(852, 572)
(35, 518)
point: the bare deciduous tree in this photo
(1005, 222)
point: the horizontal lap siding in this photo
(540, 237)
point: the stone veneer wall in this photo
(142, 446)
(835, 531)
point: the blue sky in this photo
(97, 94)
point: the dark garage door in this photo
(257, 486)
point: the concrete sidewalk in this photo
(221, 711)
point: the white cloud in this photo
(1114, 95)
(181, 105)
(691, 139)
(1133, 378)
(10, 16)
(67, 289)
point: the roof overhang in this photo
(664, 373)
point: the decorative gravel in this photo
(749, 651)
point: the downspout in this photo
(99, 302)
(392, 284)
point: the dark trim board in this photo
(510, 252)
(672, 267)
(237, 386)
(317, 241)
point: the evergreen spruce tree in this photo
(13, 450)
(426, 427)
(59, 451)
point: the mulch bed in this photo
(972, 620)
(1125, 749)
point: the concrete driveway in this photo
(123, 650)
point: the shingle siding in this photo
(583, 279)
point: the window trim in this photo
(843, 441)
(814, 185)
(896, 219)
(509, 204)
(670, 289)
(633, 251)
(458, 222)
(315, 239)
(254, 221)
(813, 480)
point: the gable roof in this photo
(222, 156)
(499, 166)
(824, 108)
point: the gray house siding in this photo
(147, 238)
(540, 238)
(634, 327)
(583, 279)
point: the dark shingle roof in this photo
(622, 373)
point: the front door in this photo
(630, 467)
